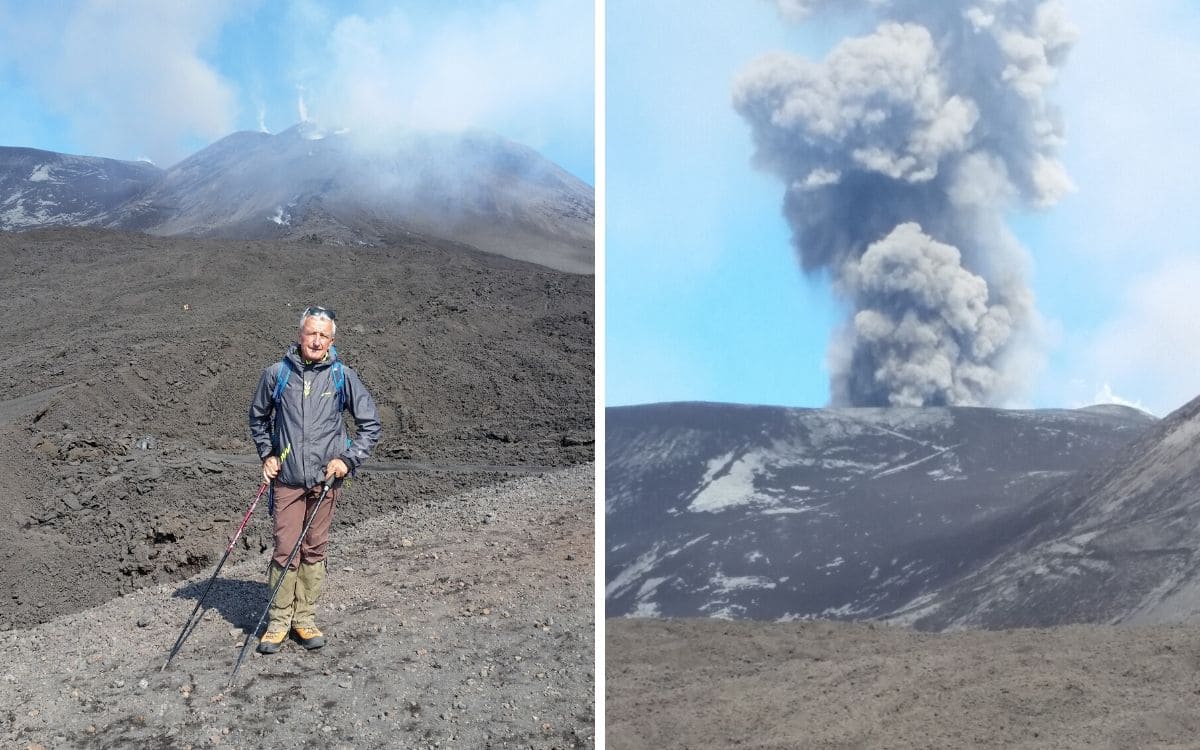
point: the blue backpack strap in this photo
(339, 383)
(337, 372)
(281, 379)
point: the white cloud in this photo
(523, 69)
(1151, 346)
(128, 76)
(164, 78)
(1113, 256)
(1130, 132)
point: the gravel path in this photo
(460, 622)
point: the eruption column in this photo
(900, 153)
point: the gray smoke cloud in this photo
(901, 151)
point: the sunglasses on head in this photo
(320, 312)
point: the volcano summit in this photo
(474, 188)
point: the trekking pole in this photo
(188, 625)
(279, 583)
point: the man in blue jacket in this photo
(296, 423)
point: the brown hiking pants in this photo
(293, 506)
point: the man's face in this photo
(315, 338)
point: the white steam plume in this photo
(901, 151)
(513, 67)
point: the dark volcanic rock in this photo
(772, 513)
(132, 360)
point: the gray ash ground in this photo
(699, 684)
(466, 622)
(130, 361)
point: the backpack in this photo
(337, 370)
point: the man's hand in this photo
(336, 469)
(271, 468)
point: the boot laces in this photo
(274, 635)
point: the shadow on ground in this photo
(239, 602)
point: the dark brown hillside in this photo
(130, 360)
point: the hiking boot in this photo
(309, 637)
(271, 640)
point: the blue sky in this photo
(148, 79)
(705, 299)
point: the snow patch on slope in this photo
(643, 565)
(632, 572)
(723, 584)
(734, 487)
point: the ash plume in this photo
(901, 151)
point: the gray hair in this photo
(319, 313)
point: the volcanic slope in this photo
(467, 622)
(1117, 545)
(130, 362)
(43, 188)
(774, 514)
(475, 188)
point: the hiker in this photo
(296, 423)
